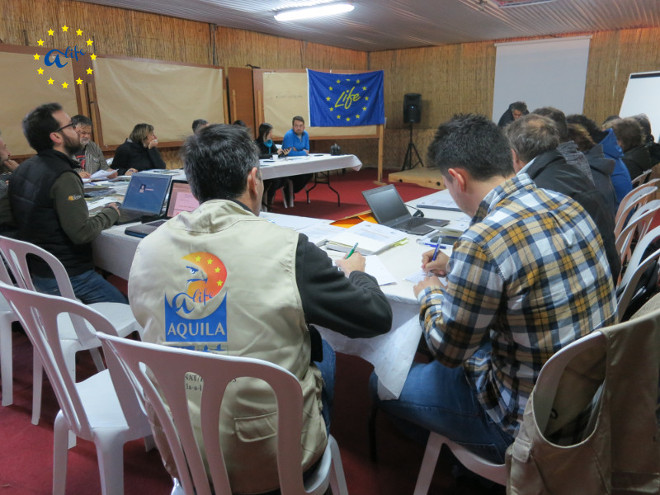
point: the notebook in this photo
(180, 199)
(144, 197)
(389, 209)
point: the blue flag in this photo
(342, 100)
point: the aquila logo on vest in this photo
(58, 57)
(207, 277)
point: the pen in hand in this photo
(350, 253)
(435, 253)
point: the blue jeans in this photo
(89, 287)
(327, 368)
(440, 399)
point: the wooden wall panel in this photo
(118, 32)
(451, 78)
(237, 48)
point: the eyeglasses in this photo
(70, 124)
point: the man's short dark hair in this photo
(298, 118)
(521, 106)
(532, 135)
(594, 130)
(198, 122)
(644, 121)
(218, 160)
(472, 142)
(629, 132)
(38, 124)
(81, 120)
(559, 119)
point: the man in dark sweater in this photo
(534, 139)
(48, 203)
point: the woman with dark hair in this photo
(611, 149)
(138, 152)
(267, 149)
(601, 167)
(265, 142)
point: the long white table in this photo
(390, 354)
(316, 162)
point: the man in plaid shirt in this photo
(529, 276)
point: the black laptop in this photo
(389, 209)
(144, 197)
(180, 199)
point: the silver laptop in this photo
(389, 209)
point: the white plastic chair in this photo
(637, 256)
(633, 276)
(157, 373)
(635, 198)
(636, 227)
(7, 317)
(15, 252)
(90, 409)
(483, 467)
(641, 178)
(593, 411)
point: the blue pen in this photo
(435, 253)
(433, 245)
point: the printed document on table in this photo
(371, 238)
(102, 174)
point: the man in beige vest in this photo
(221, 279)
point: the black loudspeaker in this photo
(412, 108)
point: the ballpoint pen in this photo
(434, 245)
(435, 253)
(350, 253)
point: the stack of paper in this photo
(371, 238)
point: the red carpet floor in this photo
(26, 450)
(323, 202)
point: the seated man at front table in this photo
(48, 203)
(90, 157)
(528, 277)
(256, 288)
(139, 152)
(296, 139)
(296, 143)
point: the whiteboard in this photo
(643, 96)
(549, 72)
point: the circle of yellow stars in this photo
(357, 115)
(65, 29)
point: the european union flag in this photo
(341, 100)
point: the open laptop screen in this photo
(386, 204)
(181, 199)
(146, 192)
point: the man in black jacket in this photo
(48, 203)
(534, 140)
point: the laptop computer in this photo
(144, 197)
(180, 199)
(389, 209)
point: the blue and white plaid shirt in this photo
(528, 277)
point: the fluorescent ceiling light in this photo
(313, 12)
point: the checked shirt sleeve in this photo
(456, 319)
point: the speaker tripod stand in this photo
(411, 153)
